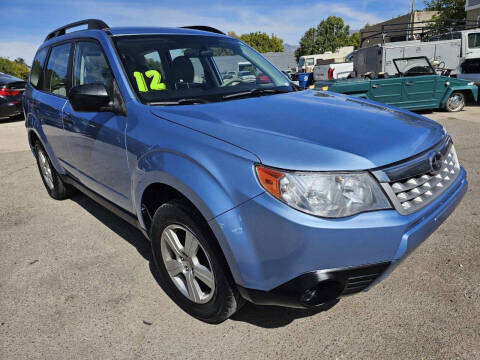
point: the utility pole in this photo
(412, 20)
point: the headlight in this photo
(330, 195)
(471, 83)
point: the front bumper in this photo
(318, 290)
(268, 244)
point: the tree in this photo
(261, 41)
(330, 35)
(307, 43)
(354, 40)
(448, 10)
(17, 68)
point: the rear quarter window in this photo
(37, 68)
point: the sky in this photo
(25, 23)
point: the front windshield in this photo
(171, 68)
(414, 66)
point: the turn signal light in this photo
(270, 180)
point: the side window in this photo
(57, 69)
(153, 62)
(474, 41)
(37, 68)
(90, 66)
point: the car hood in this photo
(310, 130)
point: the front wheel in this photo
(193, 271)
(455, 102)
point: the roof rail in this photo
(204, 28)
(91, 23)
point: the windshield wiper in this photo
(185, 101)
(254, 92)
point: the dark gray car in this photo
(11, 91)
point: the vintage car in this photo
(417, 86)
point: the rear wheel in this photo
(193, 271)
(455, 102)
(55, 186)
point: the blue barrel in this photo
(305, 79)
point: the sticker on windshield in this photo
(155, 84)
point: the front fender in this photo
(185, 175)
(213, 190)
(214, 183)
(463, 88)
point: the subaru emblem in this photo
(436, 162)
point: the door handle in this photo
(375, 86)
(409, 83)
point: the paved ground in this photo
(75, 283)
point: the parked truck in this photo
(456, 53)
(328, 70)
(306, 63)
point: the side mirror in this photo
(90, 98)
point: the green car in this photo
(416, 86)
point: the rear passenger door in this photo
(49, 102)
(97, 139)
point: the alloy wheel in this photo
(187, 264)
(455, 102)
(45, 169)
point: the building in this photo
(402, 28)
(473, 10)
(282, 60)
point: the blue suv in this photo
(247, 187)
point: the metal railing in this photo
(420, 30)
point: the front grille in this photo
(410, 195)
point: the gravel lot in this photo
(76, 282)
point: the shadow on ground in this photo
(262, 316)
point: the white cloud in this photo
(16, 49)
(287, 21)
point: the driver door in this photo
(387, 91)
(419, 82)
(419, 91)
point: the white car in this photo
(246, 76)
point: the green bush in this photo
(16, 67)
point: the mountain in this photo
(289, 47)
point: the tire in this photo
(182, 284)
(455, 102)
(53, 183)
